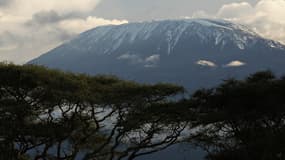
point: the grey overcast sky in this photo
(138, 10)
(29, 28)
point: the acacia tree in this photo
(49, 114)
(243, 119)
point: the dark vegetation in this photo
(49, 114)
(243, 120)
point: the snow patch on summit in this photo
(168, 34)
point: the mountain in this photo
(191, 52)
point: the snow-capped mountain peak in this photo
(195, 52)
(207, 31)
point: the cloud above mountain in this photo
(267, 17)
(30, 28)
(142, 10)
(29, 7)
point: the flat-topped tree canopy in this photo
(53, 114)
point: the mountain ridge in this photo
(168, 50)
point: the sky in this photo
(29, 28)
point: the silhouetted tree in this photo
(242, 119)
(49, 114)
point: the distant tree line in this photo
(52, 115)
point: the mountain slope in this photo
(193, 52)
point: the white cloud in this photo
(148, 62)
(7, 47)
(153, 58)
(235, 64)
(25, 42)
(127, 56)
(267, 17)
(152, 61)
(266, 10)
(30, 28)
(206, 63)
(133, 58)
(27, 8)
(235, 10)
(79, 25)
(200, 14)
(150, 65)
